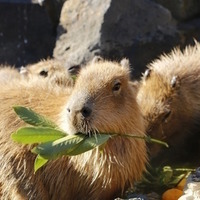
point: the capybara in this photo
(8, 73)
(169, 97)
(52, 70)
(102, 100)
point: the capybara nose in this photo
(86, 111)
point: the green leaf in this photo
(74, 77)
(177, 179)
(89, 143)
(52, 150)
(39, 162)
(166, 175)
(31, 135)
(32, 118)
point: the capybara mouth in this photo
(89, 133)
(85, 128)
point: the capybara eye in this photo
(73, 70)
(44, 73)
(116, 87)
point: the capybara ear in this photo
(96, 59)
(23, 70)
(146, 74)
(175, 82)
(125, 63)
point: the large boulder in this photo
(136, 29)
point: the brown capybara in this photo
(52, 70)
(169, 97)
(102, 100)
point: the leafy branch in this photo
(53, 142)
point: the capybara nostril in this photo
(68, 110)
(86, 111)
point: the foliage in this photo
(160, 179)
(53, 142)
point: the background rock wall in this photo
(75, 30)
(25, 33)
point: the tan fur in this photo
(55, 70)
(169, 96)
(8, 73)
(92, 175)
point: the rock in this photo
(53, 8)
(189, 30)
(26, 34)
(136, 29)
(192, 187)
(182, 10)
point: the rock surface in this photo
(137, 29)
(182, 10)
(113, 29)
(26, 34)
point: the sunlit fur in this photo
(57, 72)
(8, 73)
(93, 175)
(157, 96)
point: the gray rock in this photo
(113, 29)
(182, 10)
(79, 30)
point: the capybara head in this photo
(168, 96)
(155, 95)
(52, 70)
(103, 100)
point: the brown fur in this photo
(169, 96)
(92, 175)
(52, 70)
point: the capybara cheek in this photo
(67, 123)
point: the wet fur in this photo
(92, 175)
